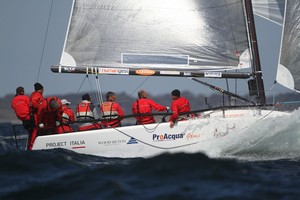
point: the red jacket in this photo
(21, 105)
(49, 116)
(67, 116)
(143, 106)
(36, 99)
(179, 105)
(112, 114)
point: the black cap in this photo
(86, 97)
(176, 93)
(38, 86)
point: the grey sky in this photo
(24, 51)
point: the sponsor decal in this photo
(234, 115)
(187, 73)
(111, 142)
(167, 137)
(191, 136)
(69, 69)
(170, 72)
(132, 141)
(77, 144)
(145, 72)
(113, 71)
(56, 144)
(218, 134)
(74, 144)
(213, 74)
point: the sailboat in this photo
(192, 39)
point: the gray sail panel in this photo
(288, 73)
(166, 34)
(271, 10)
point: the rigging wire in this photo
(86, 76)
(139, 86)
(44, 44)
(98, 90)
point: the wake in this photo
(268, 139)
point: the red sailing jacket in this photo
(112, 113)
(47, 115)
(67, 116)
(143, 106)
(21, 106)
(36, 99)
(179, 105)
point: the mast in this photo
(257, 73)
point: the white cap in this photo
(64, 102)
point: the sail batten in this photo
(172, 34)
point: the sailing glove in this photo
(41, 125)
(57, 123)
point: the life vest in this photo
(83, 111)
(108, 111)
(21, 106)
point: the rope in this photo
(44, 45)
(82, 83)
(154, 145)
(139, 86)
(98, 90)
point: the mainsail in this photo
(288, 73)
(183, 35)
(271, 10)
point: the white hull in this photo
(190, 136)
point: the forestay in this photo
(184, 35)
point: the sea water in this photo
(261, 163)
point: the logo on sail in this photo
(145, 72)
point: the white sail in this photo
(271, 10)
(288, 73)
(184, 35)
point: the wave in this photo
(57, 174)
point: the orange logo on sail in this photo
(145, 72)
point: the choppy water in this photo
(265, 165)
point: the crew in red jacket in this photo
(145, 106)
(111, 111)
(21, 106)
(67, 116)
(36, 99)
(49, 115)
(179, 105)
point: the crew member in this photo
(67, 117)
(111, 111)
(36, 99)
(21, 105)
(49, 115)
(179, 105)
(85, 112)
(144, 106)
